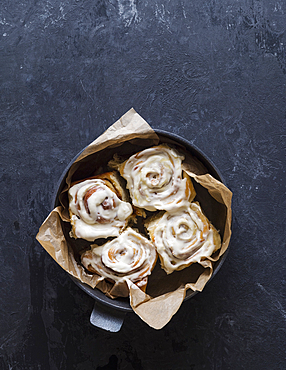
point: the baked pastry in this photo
(155, 179)
(183, 237)
(130, 257)
(98, 207)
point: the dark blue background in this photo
(211, 71)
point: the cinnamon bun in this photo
(130, 257)
(183, 237)
(155, 179)
(97, 207)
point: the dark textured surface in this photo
(213, 72)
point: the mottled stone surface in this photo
(213, 72)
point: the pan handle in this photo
(106, 318)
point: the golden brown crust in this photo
(113, 181)
(190, 190)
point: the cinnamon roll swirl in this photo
(96, 207)
(130, 257)
(183, 237)
(155, 179)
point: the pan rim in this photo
(122, 304)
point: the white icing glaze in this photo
(101, 214)
(131, 257)
(154, 179)
(182, 237)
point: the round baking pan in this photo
(109, 313)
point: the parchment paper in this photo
(165, 292)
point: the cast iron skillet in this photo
(109, 314)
